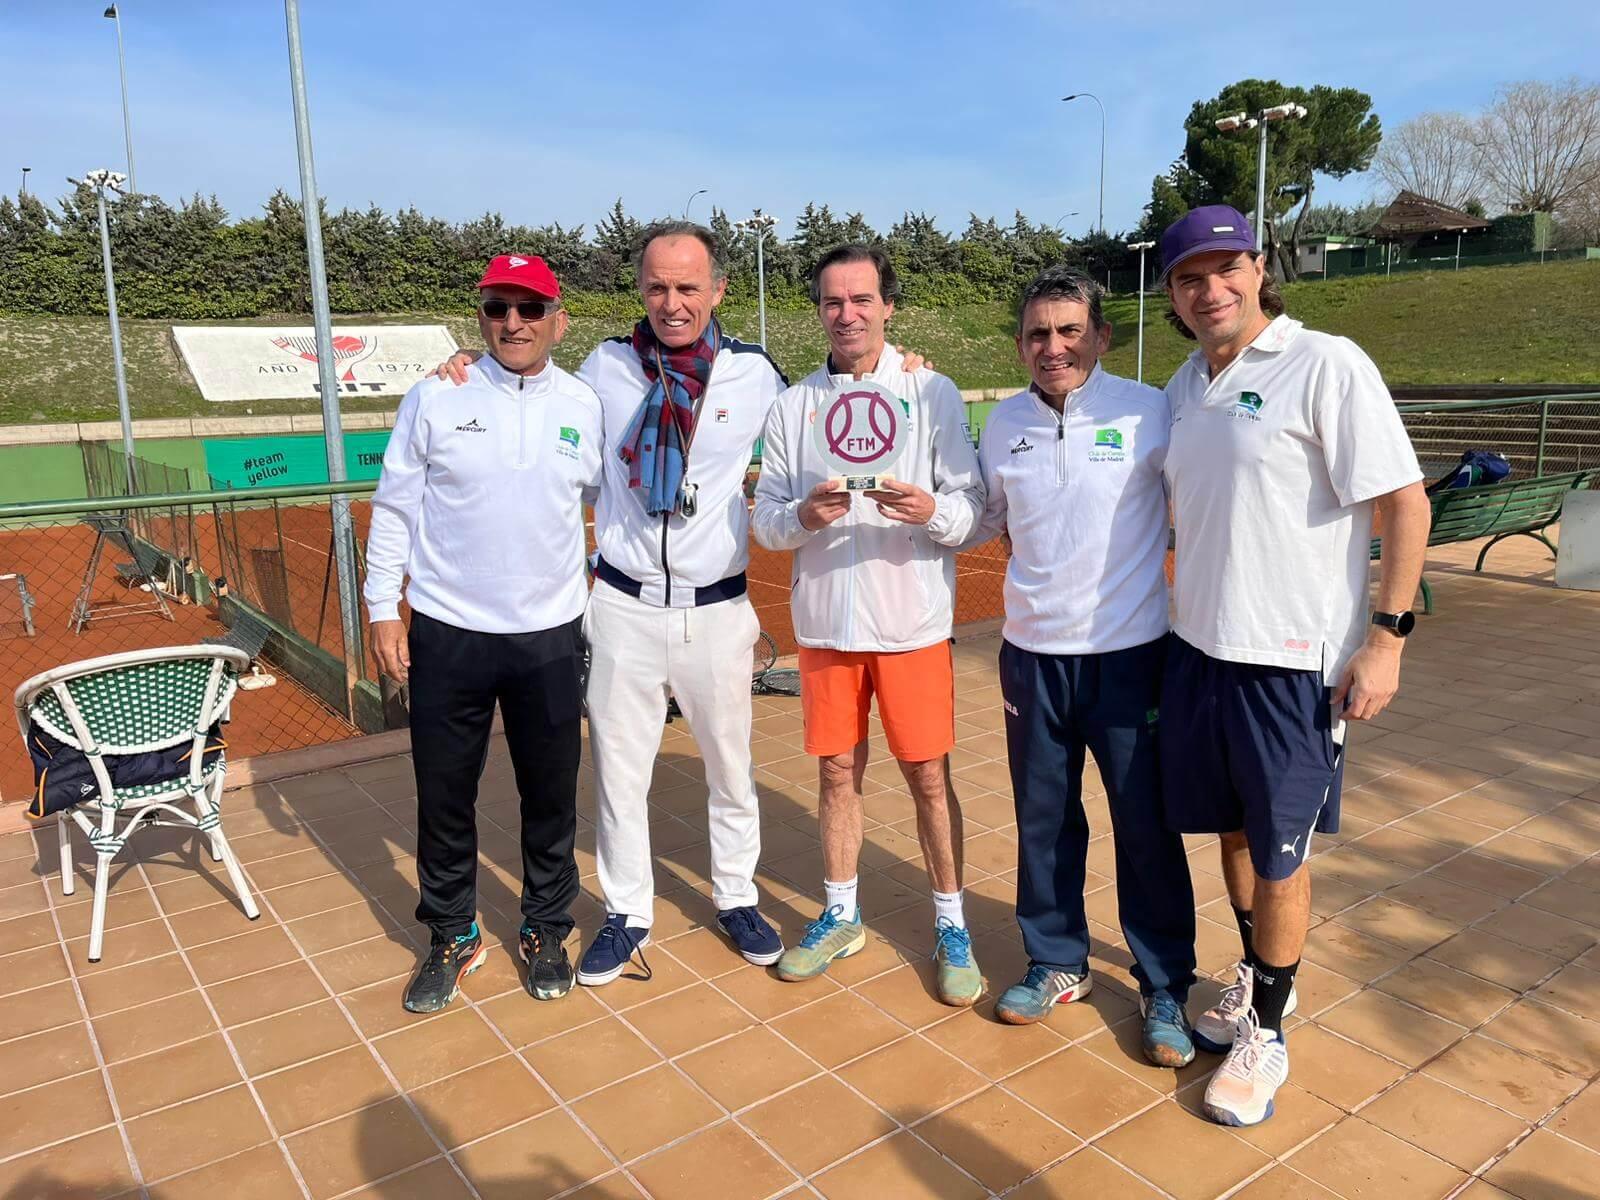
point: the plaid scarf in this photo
(656, 442)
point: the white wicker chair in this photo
(136, 702)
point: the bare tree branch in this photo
(1434, 155)
(1541, 143)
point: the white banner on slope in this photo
(240, 362)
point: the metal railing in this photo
(1540, 435)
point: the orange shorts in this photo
(916, 700)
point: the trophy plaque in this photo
(861, 431)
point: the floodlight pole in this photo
(1261, 189)
(761, 283)
(327, 369)
(99, 180)
(1260, 121)
(1141, 247)
(759, 223)
(127, 120)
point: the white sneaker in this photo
(1241, 1090)
(1213, 1031)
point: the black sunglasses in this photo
(528, 310)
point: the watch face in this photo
(1407, 622)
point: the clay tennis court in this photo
(53, 560)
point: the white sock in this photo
(842, 898)
(947, 907)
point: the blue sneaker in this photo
(1039, 991)
(613, 948)
(826, 939)
(751, 935)
(960, 981)
(1168, 1040)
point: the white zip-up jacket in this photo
(481, 501)
(866, 582)
(678, 562)
(1081, 495)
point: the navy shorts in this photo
(1247, 747)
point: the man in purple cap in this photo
(480, 504)
(1284, 441)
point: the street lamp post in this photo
(1141, 247)
(327, 371)
(25, 171)
(101, 180)
(112, 14)
(759, 224)
(1101, 226)
(690, 201)
(1278, 112)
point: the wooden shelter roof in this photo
(1410, 215)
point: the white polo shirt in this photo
(1272, 468)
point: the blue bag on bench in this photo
(1476, 468)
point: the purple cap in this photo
(1209, 227)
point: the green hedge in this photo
(192, 262)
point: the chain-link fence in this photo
(81, 579)
(1539, 436)
(278, 557)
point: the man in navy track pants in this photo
(1073, 469)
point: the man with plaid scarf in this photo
(684, 404)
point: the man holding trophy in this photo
(868, 475)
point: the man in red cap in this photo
(480, 504)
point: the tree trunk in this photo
(1282, 270)
(1294, 232)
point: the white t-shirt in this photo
(1272, 468)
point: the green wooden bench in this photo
(1524, 507)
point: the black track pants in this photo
(456, 678)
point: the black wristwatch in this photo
(1399, 624)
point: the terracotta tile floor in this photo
(1445, 1042)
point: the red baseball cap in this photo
(528, 272)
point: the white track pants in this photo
(705, 656)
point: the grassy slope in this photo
(1523, 324)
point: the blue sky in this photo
(550, 111)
